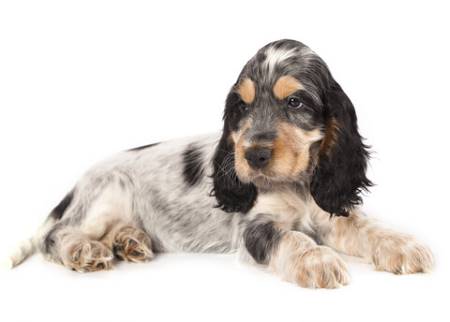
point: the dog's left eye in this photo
(294, 102)
(244, 108)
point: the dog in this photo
(281, 185)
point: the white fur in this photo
(276, 56)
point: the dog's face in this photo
(287, 120)
(278, 122)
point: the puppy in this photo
(281, 184)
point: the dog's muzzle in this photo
(258, 157)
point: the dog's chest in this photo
(287, 208)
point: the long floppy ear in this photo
(340, 174)
(232, 195)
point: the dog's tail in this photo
(31, 245)
(24, 250)
(28, 246)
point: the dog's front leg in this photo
(360, 236)
(294, 256)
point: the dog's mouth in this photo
(269, 177)
(261, 178)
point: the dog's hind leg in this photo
(100, 219)
(129, 243)
(77, 251)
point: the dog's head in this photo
(287, 120)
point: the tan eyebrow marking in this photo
(246, 89)
(285, 86)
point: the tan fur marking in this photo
(285, 86)
(132, 245)
(85, 255)
(398, 253)
(388, 250)
(239, 149)
(246, 89)
(291, 150)
(321, 267)
(298, 259)
(331, 135)
(345, 234)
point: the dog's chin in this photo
(260, 178)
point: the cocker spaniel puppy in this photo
(281, 184)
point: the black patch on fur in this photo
(143, 147)
(340, 175)
(232, 194)
(192, 165)
(49, 240)
(261, 239)
(59, 210)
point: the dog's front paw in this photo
(401, 254)
(321, 267)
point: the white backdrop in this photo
(81, 80)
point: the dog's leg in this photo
(359, 236)
(83, 252)
(77, 251)
(100, 220)
(129, 243)
(294, 256)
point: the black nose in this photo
(258, 158)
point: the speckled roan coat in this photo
(280, 184)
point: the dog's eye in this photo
(294, 102)
(244, 107)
